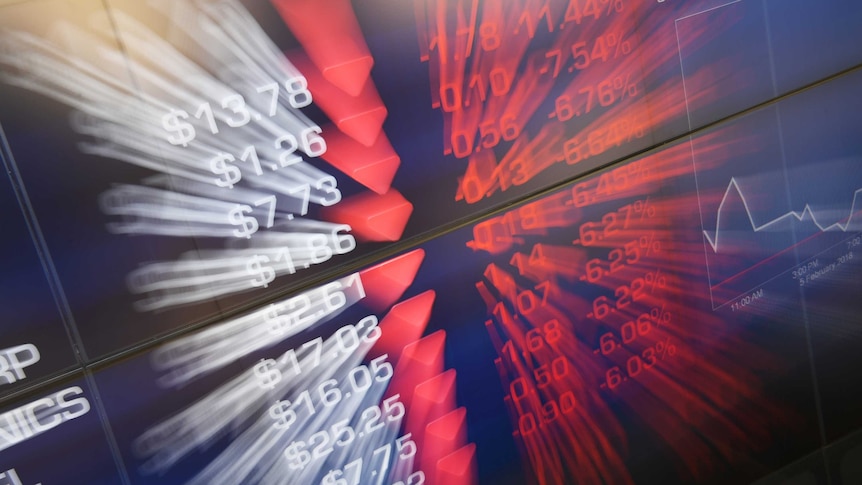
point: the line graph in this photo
(766, 223)
(777, 188)
(806, 214)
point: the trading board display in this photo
(430, 242)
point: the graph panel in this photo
(787, 189)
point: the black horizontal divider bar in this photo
(390, 250)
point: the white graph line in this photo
(799, 216)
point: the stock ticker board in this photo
(431, 242)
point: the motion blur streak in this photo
(123, 121)
(554, 344)
(599, 67)
(255, 456)
(358, 387)
(236, 171)
(200, 275)
(163, 212)
(203, 352)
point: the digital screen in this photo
(430, 242)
